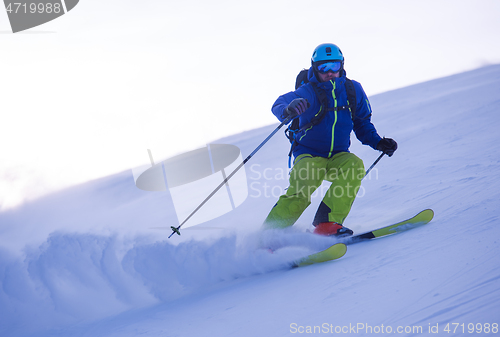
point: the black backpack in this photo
(293, 128)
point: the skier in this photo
(321, 144)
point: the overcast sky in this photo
(87, 94)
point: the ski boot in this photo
(332, 229)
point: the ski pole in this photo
(177, 229)
(374, 163)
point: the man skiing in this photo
(321, 143)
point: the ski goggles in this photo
(329, 66)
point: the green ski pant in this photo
(344, 170)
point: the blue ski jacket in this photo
(332, 134)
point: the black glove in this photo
(387, 146)
(296, 107)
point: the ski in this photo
(339, 249)
(331, 253)
(421, 218)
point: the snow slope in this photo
(84, 261)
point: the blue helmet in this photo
(326, 52)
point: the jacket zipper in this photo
(335, 120)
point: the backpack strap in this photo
(351, 97)
(323, 99)
(352, 100)
(290, 132)
(293, 129)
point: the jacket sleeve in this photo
(282, 102)
(363, 128)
